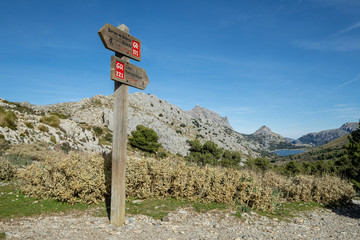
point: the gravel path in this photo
(343, 223)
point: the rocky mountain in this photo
(269, 140)
(88, 125)
(203, 114)
(323, 137)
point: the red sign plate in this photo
(119, 69)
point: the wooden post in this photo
(121, 102)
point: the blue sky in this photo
(293, 65)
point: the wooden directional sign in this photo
(127, 73)
(121, 42)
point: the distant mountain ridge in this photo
(326, 136)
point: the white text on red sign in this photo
(135, 48)
(119, 70)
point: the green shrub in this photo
(210, 153)
(145, 139)
(7, 170)
(98, 131)
(7, 118)
(29, 125)
(4, 144)
(53, 139)
(52, 120)
(182, 125)
(60, 115)
(107, 139)
(161, 155)
(259, 164)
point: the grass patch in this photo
(14, 204)
(60, 115)
(206, 207)
(155, 208)
(106, 139)
(18, 159)
(285, 211)
(43, 128)
(2, 235)
(52, 120)
(29, 125)
(7, 118)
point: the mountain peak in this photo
(263, 130)
(204, 114)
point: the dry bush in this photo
(83, 178)
(170, 178)
(7, 170)
(75, 178)
(327, 190)
(37, 151)
(331, 190)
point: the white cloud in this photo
(343, 44)
(357, 78)
(348, 29)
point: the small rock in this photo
(299, 221)
(165, 219)
(216, 225)
(35, 202)
(182, 211)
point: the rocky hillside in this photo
(88, 125)
(323, 137)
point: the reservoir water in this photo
(287, 152)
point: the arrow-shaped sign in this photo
(127, 73)
(121, 42)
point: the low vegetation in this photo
(4, 144)
(7, 170)
(84, 178)
(35, 151)
(210, 154)
(43, 128)
(7, 118)
(51, 120)
(208, 177)
(145, 139)
(75, 178)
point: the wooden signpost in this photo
(124, 74)
(128, 73)
(120, 41)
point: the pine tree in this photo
(349, 165)
(145, 139)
